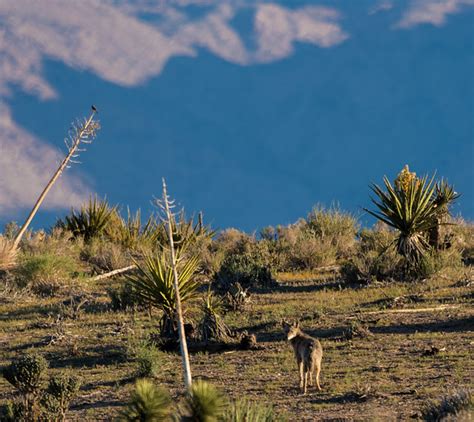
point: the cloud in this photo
(382, 6)
(277, 28)
(27, 164)
(432, 12)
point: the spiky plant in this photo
(204, 403)
(246, 411)
(212, 326)
(412, 207)
(153, 284)
(92, 219)
(147, 404)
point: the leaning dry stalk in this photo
(179, 312)
(80, 134)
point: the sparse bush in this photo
(450, 405)
(61, 391)
(147, 359)
(26, 375)
(323, 238)
(375, 257)
(104, 255)
(204, 404)
(45, 273)
(246, 411)
(124, 297)
(243, 269)
(435, 261)
(148, 403)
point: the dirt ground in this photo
(388, 348)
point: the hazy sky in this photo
(252, 110)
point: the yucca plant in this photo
(204, 403)
(148, 404)
(91, 221)
(412, 207)
(246, 411)
(153, 284)
(212, 326)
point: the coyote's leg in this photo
(300, 364)
(311, 377)
(318, 370)
(305, 380)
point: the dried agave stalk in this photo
(81, 133)
(166, 204)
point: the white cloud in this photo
(432, 12)
(277, 28)
(27, 164)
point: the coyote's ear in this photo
(297, 324)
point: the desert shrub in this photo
(246, 411)
(26, 375)
(124, 297)
(435, 261)
(244, 269)
(104, 255)
(375, 257)
(46, 273)
(450, 405)
(459, 234)
(333, 226)
(91, 221)
(57, 241)
(233, 241)
(204, 404)
(148, 403)
(62, 389)
(325, 237)
(147, 359)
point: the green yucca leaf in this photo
(204, 403)
(154, 280)
(148, 404)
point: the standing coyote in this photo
(308, 353)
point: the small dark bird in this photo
(94, 109)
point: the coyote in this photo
(308, 353)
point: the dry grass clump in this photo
(325, 237)
(8, 254)
(450, 407)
